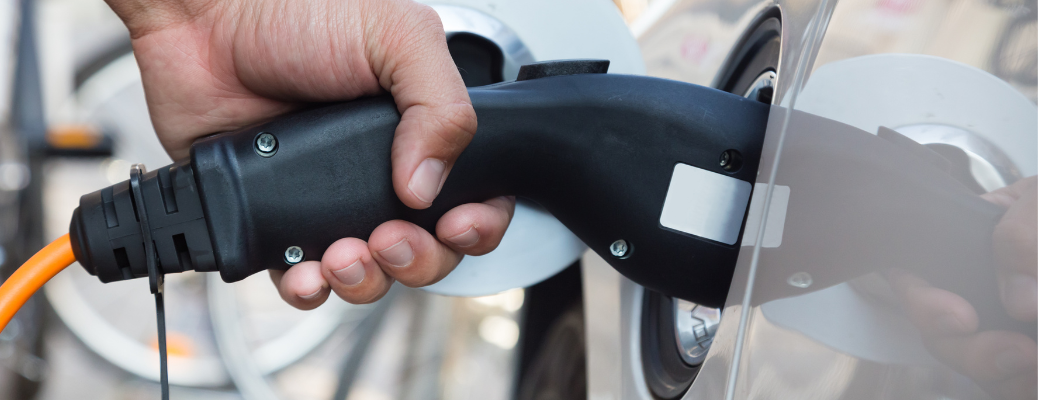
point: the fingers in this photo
(1006, 196)
(1016, 235)
(360, 272)
(411, 255)
(301, 286)
(437, 119)
(1015, 245)
(352, 273)
(935, 312)
(476, 229)
(1002, 362)
(1019, 295)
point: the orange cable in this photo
(31, 276)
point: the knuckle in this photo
(351, 297)
(462, 118)
(416, 280)
(414, 24)
(419, 276)
(370, 297)
(426, 15)
(308, 304)
(453, 124)
(482, 250)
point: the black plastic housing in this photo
(595, 150)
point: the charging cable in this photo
(25, 281)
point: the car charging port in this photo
(676, 334)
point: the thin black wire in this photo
(160, 313)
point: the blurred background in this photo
(73, 120)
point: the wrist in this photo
(142, 17)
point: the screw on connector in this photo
(266, 144)
(731, 160)
(293, 255)
(800, 279)
(619, 248)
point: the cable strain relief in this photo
(106, 228)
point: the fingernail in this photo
(351, 275)
(311, 295)
(1013, 361)
(465, 239)
(425, 182)
(1021, 293)
(999, 198)
(949, 322)
(398, 255)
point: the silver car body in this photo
(835, 341)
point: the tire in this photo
(558, 369)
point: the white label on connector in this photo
(705, 204)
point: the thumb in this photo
(412, 62)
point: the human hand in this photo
(1003, 363)
(210, 66)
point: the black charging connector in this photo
(596, 150)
